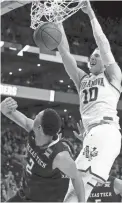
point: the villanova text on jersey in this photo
(98, 100)
(92, 83)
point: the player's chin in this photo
(95, 70)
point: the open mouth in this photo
(93, 62)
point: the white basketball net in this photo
(52, 11)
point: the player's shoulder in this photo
(60, 145)
(61, 159)
(66, 143)
(85, 77)
(63, 145)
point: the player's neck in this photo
(95, 74)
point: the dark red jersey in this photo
(40, 181)
(105, 193)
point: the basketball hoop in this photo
(55, 11)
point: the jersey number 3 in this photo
(90, 95)
(29, 166)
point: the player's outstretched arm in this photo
(68, 60)
(66, 164)
(112, 68)
(8, 108)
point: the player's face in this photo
(40, 137)
(96, 65)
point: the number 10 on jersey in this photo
(90, 95)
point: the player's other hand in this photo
(86, 6)
(8, 105)
(81, 131)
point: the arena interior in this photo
(38, 80)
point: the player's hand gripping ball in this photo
(47, 36)
(8, 105)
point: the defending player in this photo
(99, 93)
(110, 191)
(48, 162)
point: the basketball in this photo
(47, 36)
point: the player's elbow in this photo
(103, 43)
(28, 124)
(106, 44)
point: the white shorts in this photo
(100, 148)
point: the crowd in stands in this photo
(81, 42)
(13, 138)
(86, 43)
(13, 149)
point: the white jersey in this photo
(98, 100)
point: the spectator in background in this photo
(115, 169)
(4, 196)
(12, 190)
(10, 177)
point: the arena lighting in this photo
(28, 82)
(61, 81)
(10, 73)
(13, 48)
(19, 69)
(22, 50)
(38, 65)
(69, 86)
(65, 110)
(70, 116)
(1, 43)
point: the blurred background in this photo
(38, 80)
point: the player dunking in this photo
(99, 93)
(49, 162)
(110, 191)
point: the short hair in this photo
(51, 122)
(96, 49)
